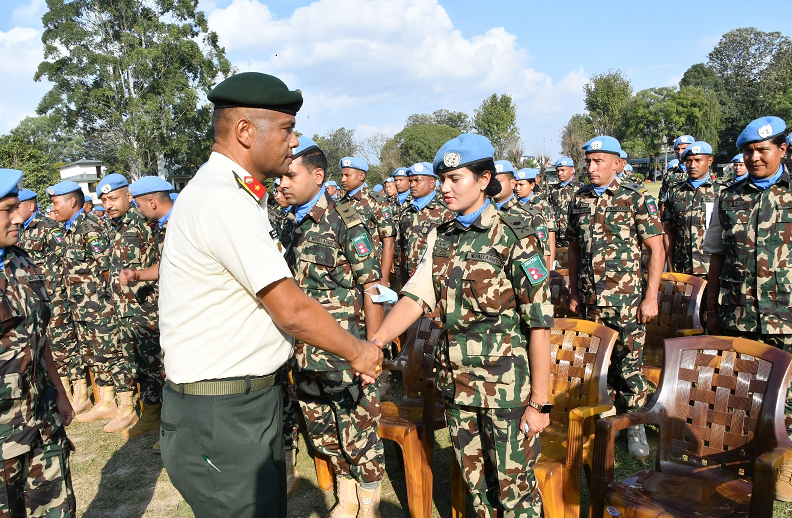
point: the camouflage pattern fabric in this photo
(342, 420)
(672, 177)
(277, 217)
(560, 196)
(496, 460)
(609, 230)
(331, 254)
(539, 203)
(626, 382)
(515, 207)
(140, 339)
(756, 280)
(159, 238)
(34, 447)
(376, 213)
(43, 240)
(414, 227)
(490, 283)
(685, 211)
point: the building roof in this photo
(84, 161)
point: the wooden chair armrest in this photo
(763, 491)
(771, 460)
(429, 393)
(689, 332)
(397, 364)
(582, 413)
(577, 417)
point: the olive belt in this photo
(227, 387)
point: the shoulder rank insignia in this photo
(251, 186)
(348, 214)
(362, 245)
(535, 269)
(651, 206)
(519, 225)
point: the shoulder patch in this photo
(362, 245)
(519, 226)
(57, 234)
(377, 197)
(651, 205)
(348, 214)
(535, 269)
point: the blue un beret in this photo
(623, 154)
(65, 187)
(174, 195)
(88, 199)
(421, 169)
(110, 183)
(738, 159)
(462, 151)
(27, 194)
(565, 161)
(388, 179)
(331, 183)
(697, 148)
(672, 164)
(9, 182)
(527, 174)
(377, 188)
(684, 139)
(603, 144)
(763, 128)
(148, 185)
(353, 162)
(504, 166)
(789, 140)
(628, 167)
(99, 208)
(305, 145)
(400, 171)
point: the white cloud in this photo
(29, 14)
(20, 53)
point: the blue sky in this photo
(368, 64)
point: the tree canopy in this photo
(420, 142)
(496, 119)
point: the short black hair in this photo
(315, 159)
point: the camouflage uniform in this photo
(414, 227)
(672, 177)
(331, 254)
(35, 449)
(376, 213)
(489, 281)
(86, 259)
(560, 196)
(515, 207)
(545, 223)
(685, 211)
(609, 230)
(134, 246)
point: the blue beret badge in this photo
(535, 269)
(451, 159)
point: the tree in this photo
(651, 117)
(130, 76)
(382, 158)
(700, 114)
(607, 97)
(577, 132)
(36, 166)
(458, 120)
(420, 142)
(496, 119)
(336, 145)
(42, 133)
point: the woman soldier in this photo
(485, 271)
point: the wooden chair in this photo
(720, 410)
(559, 293)
(561, 256)
(579, 356)
(679, 303)
(411, 423)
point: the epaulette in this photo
(584, 188)
(377, 197)
(519, 226)
(634, 186)
(85, 227)
(445, 226)
(348, 214)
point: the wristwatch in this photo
(543, 408)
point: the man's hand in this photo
(64, 407)
(574, 303)
(126, 277)
(647, 310)
(535, 420)
(368, 361)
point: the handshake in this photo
(368, 363)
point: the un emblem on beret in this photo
(563, 162)
(695, 150)
(498, 168)
(765, 131)
(347, 163)
(51, 192)
(418, 168)
(451, 159)
(597, 144)
(106, 188)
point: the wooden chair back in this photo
(561, 257)
(579, 356)
(416, 361)
(720, 404)
(679, 304)
(558, 281)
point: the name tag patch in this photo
(619, 209)
(321, 241)
(784, 206)
(486, 258)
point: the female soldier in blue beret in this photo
(485, 272)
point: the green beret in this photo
(256, 90)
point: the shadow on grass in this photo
(127, 485)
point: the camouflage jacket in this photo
(331, 254)
(133, 246)
(414, 227)
(104, 223)
(85, 260)
(756, 280)
(376, 213)
(536, 219)
(544, 208)
(43, 241)
(28, 403)
(159, 238)
(672, 177)
(277, 218)
(490, 282)
(609, 230)
(560, 197)
(685, 211)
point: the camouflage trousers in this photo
(496, 460)
(290, 423)
(65, 349)
(100, 350)
(38, 483)
(141, 347)
(626, 382)
(342, 419)
(783, 342)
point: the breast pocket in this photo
(76, 258)
(783, 226)
(488, 357)
(320, 262)
(484, 289)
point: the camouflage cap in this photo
(256, 90)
